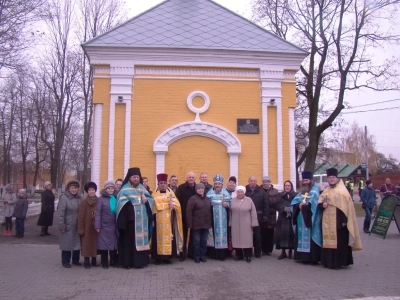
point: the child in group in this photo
(20, 210)
(9, 198)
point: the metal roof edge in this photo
(262, 28)
(122, 24)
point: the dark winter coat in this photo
(21, 207)
(47, 210)
(68, 206)
(284, 234)
(86, 215)
(260, 200)
(198, 212)
(183, 193)
(105, 220)
(271, 194)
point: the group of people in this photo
(128, 224)
(14, 205)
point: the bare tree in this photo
(96, 17)
(8, 96)
(24, 120)
(341, 37)
(56, 112)
(15, 16)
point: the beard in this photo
(306, 188)
(217, 190)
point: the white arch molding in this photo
(195, 128)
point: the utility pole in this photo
(366, 155)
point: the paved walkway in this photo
(30, 268)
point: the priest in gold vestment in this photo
(167, 240)
(340, 235)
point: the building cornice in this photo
(192, 57)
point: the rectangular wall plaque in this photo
(248, 126)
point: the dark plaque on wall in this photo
(248, 126)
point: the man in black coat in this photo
(183, 193)
(260, 200)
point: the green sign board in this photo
(384, 216)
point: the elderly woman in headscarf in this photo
(104, 223)
(47, 211)
(86, 215)
(9, 199)
(243, 218)
(284, 234)
(68, 206)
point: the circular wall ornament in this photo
(194, 109)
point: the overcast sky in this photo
(384, 124)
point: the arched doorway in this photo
(200, 130)
(198, 154)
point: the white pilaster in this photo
(292, 147)
(264, 122)
(121, 92)
(96, 158)
(160, 162)
(234, 164)
(111, 139)
(128, 124)
(271, 95)
(279, 143)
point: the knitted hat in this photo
(266, 178)
(200, 186)
(89, 185)
(109, 183)
(72, 183)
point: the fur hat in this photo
(89, 185)
(8, 187)
(46, 184)
(72, 183)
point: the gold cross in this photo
(305, 197)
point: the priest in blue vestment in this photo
(307, 222)
(218, 239)
(134, 221)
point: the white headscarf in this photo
(241, 187)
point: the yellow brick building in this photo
(180, 87)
